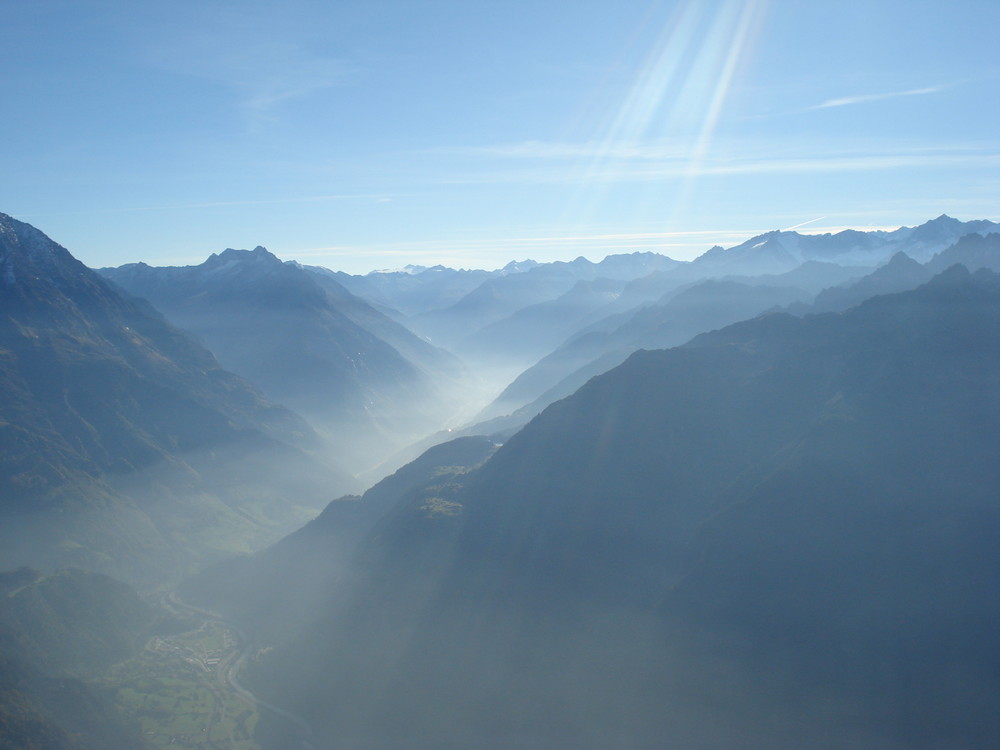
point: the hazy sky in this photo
(374, 133)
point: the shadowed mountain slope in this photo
(277, 590)
(57, 633)
(699, 308)
(974, 251)
(605, 343)
(900, 274)
(779, 535)
(126, 447)
(364, 380)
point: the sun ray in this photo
(670, 112)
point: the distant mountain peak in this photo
(936, 228)
(36, 265)
(407, 270)
(951, 276)
(28, 242)
(259, 253)
(901, 260)
(259, 257)
(519, 266)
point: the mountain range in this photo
(505, 293)
(688, 309)
(773, 253)
(607, 343)
(126, 447)
(364, 381)
(744, 501)
(503, 321)
(781, 534)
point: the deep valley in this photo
(744, 501)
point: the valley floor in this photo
(183, 687)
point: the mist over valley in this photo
(728, 502)
(382, 375)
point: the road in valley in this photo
(228, 667)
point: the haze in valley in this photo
(440, 375)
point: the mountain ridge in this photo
(309, 343)
(115, 426)
(710, 509)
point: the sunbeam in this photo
(672, 108)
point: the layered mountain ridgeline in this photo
(687, 310)
(126, 447)
(366, 382)
(665, 308)
(898, 275)
(524, 337)
(779, 535)
(417, 289)
(425, 294)
(607, 343)
(777, 252)
(502, 295)
(974, 251)
(505, 320)
(57, 633)
(811, 262)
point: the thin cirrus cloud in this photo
(562, 150)
(263, 67)
(367, 197)
(559, 162)
(846, 101)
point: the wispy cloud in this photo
(542, 164)
(865, 98)
(557, 150)
(364, 197)
(264, 65)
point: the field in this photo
(178, 689)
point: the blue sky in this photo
(361, 135)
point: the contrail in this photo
(811, 221)
(844, 101)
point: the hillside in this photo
(366, 382)
(57, 632)
(126, 447)
(779, 535)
